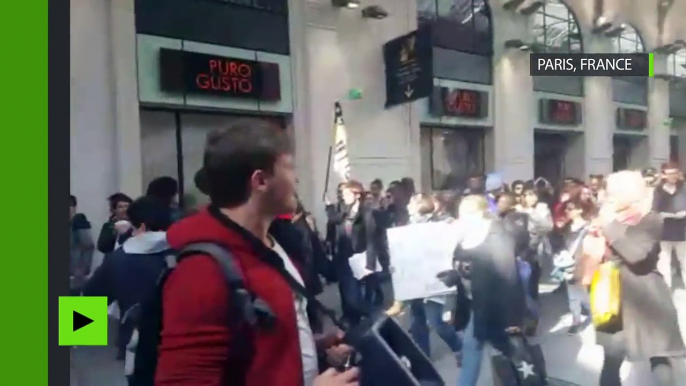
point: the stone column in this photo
(125, 79)
(513, 92)
(658, 115)
(300, 119)
(599, 113)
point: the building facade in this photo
(130, 123)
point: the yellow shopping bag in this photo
(606, 298)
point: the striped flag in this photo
(341, 161)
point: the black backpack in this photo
(247, 312)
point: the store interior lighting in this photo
(374, 12)
(352, 4)
(517, 44)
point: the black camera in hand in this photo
(386, 355)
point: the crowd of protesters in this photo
(507, 234)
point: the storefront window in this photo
(461, 25)
(674, 148)
(676, 64)
(629, 42)
(455, 155)
(556, 29)
(159, 147)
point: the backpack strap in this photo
(246, 313)
(245, 308)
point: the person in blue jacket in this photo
(129, 274)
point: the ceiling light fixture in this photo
(374, 12)
(517, 44)
(352, 4)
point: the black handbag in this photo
(524, 367)
(386, 355)
(463, 308)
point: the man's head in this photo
(595, 182)
(375, 188)
(408, 185)
(670, 172)
(165, 189)
(72, 205)
(119, 203)
(200, 181)
(518, 187)
(149, 214)
(352, 192)
(506, 202)
(251, 163)
(475, 183)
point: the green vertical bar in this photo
(24, 160)
(651, 65)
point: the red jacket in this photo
(195, 339)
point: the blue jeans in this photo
(525, 276)
(371, 290)
(473, 352)
(350, 290)
(431, 314)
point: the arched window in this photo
(629, 42)
(556, 29)
(676, 64)
(462, 25)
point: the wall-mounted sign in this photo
(196, 73)
(462, 103)
(559, 112)
(631, 119)
(409, 67)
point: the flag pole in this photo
(328, 174)
(328, 160)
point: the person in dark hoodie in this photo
(166, 189)
(356, 232)
(251, 180)
(118, 228)
(669, 200)
(485, 264)
(317, 262)
(81, 242)
(129, 275)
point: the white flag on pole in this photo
(341, 162)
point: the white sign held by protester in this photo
(358, 264)
(418, 253)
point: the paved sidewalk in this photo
(574, 360)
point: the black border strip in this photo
(59, 185)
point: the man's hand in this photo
(337, 353)
(327, 202)
(331, 377)
(513, 330)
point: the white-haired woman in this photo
(650, 330)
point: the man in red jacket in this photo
(251, 180)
